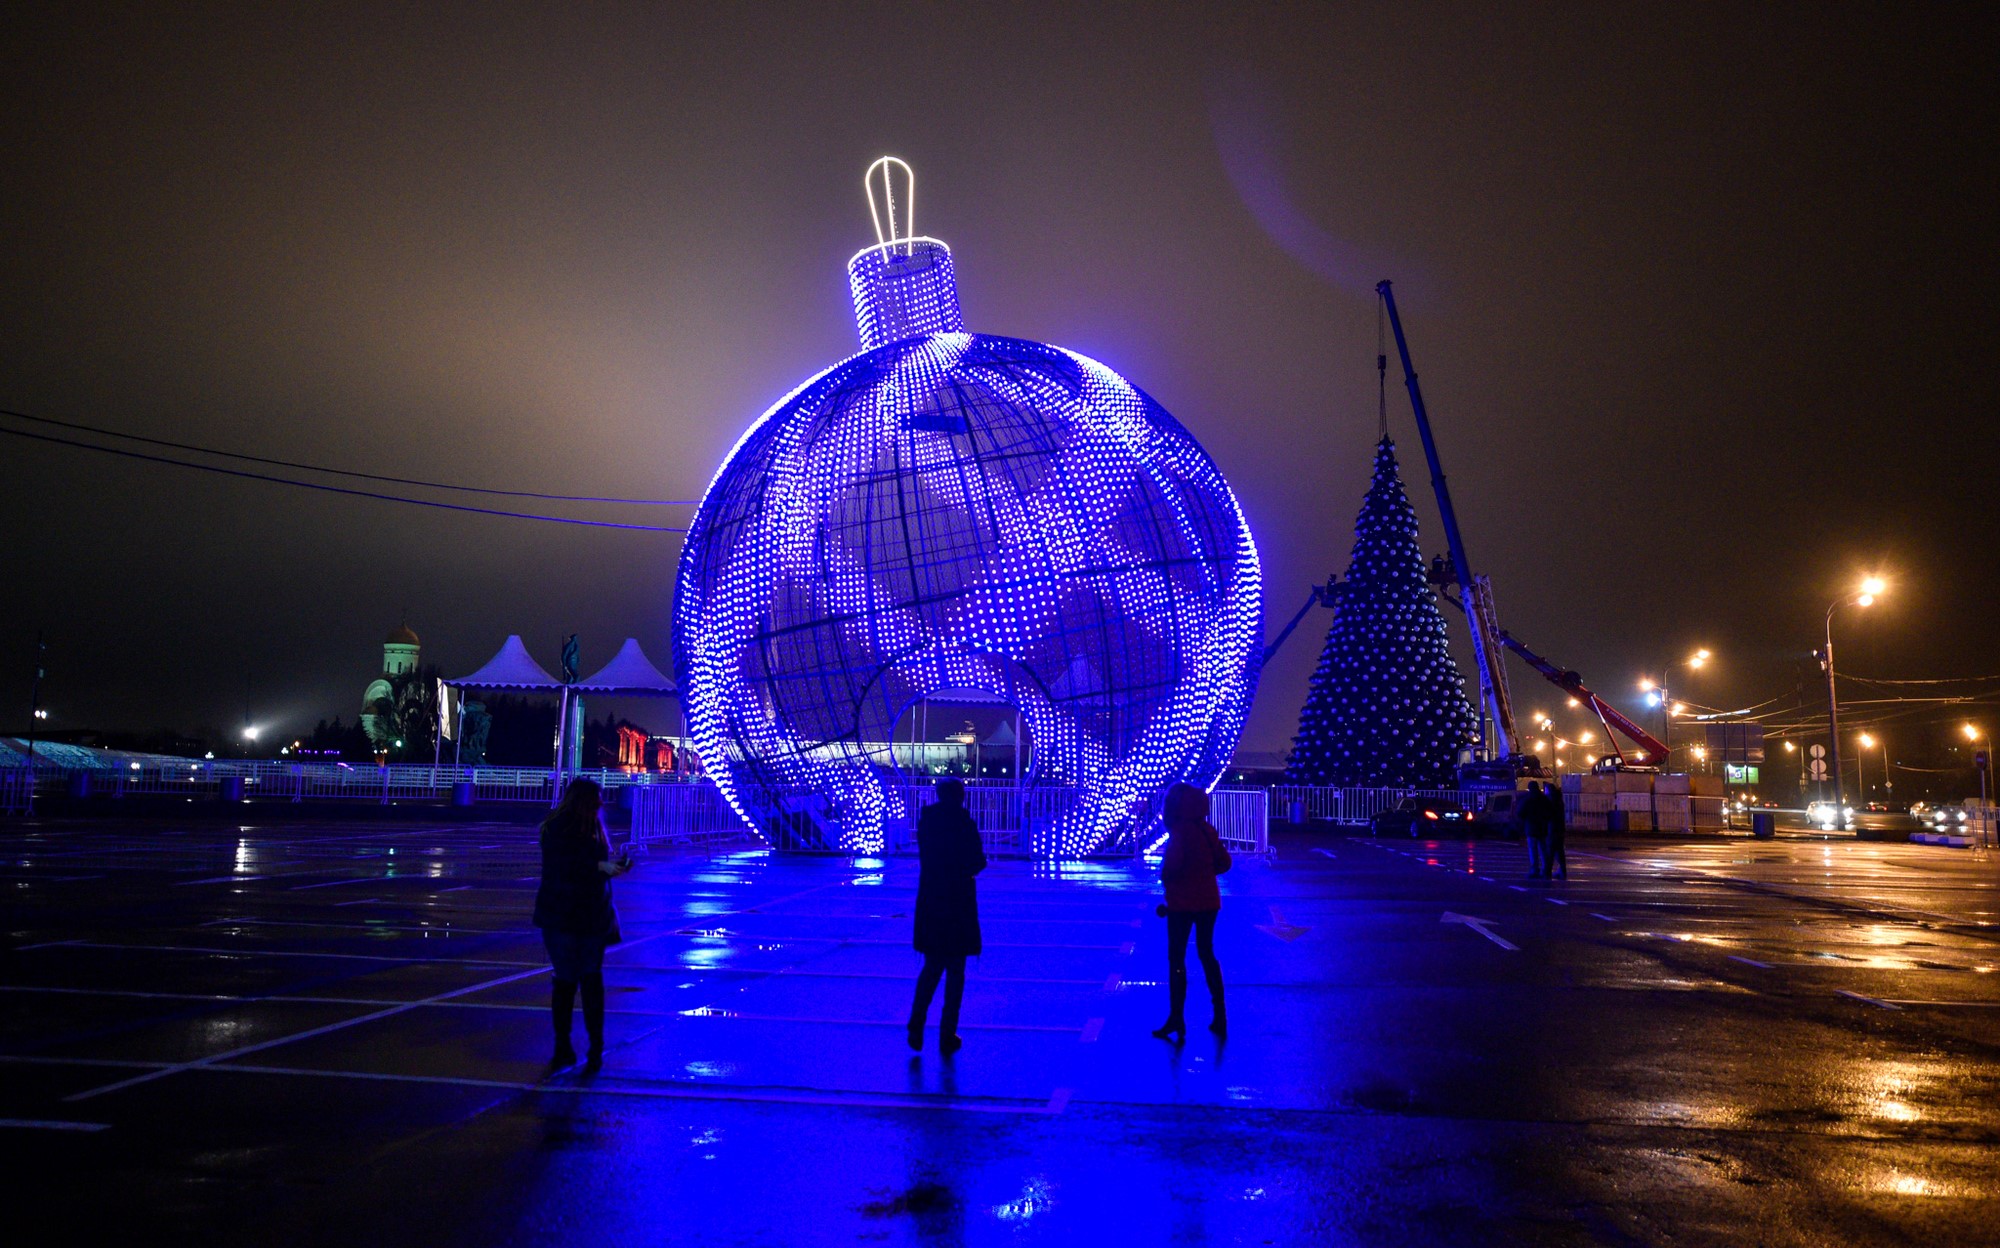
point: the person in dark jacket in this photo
(1193, 859)
(573, 909)
(1558, 857)
(1535, 815)
(947, 929)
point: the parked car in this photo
(1829, 815)
(1947, 818)
(1419, 816)
(1499, 814)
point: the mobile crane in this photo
(1489, 640)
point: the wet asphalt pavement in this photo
(332, 1033)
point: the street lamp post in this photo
(1663, 697)
(1869, 588)
(35, 715)
(1973, 734)
(1866, 743)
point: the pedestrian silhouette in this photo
(1535, 816)
(1193, 859)
(1558, 856)
(949, 856)
(573, 909)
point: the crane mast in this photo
(1477, 605)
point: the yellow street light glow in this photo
(1790, 748)
(1971, 733)
(1873, 586)
(1867, 742)
(1702, 655)
(1680, 708)
(1574, 702)
(1645, 686)
(1584, 739)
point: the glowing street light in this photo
(1657, 694)
(1871, 588)
(1861, 764)
(1973, 734)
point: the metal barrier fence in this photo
(13, 790)
(1008, 817)
(302, 782)
(694, 815)
(1298, 803)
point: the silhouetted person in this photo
(949, 855)
(1558, 857)
(573, 909)
(1535, 816)
(1194, 858)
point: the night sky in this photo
(1703, 302)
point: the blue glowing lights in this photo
(962, 517)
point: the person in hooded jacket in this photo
(1536, 815)
(1194, 857)
(949, 856)
(573, 909)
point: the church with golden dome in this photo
(400, 652)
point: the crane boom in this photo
(1652, 751)
(1492, 681)
(1318, 595)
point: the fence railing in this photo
(1298, 803)
(1009, 818)
(304, 782)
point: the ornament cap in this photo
(903, 286)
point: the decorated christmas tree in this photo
(1387, 706)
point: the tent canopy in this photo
(512, 668)
(629, 673)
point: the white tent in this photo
(629, 674)
(512, 668)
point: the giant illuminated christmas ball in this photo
(957, 517)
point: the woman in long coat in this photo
(947, 928)
(1194, 857)
(573, 909)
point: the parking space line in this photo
(1874, 1001)
(366, 879)
(308, 1034)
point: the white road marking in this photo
(1091, 1030)
(1874, 1001)
(1479, 925)
(212, 1059)
(1762, 966)
(47, 1124)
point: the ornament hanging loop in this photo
(888, 228)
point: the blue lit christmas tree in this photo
(1387, 706)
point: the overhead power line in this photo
(340, 472)
(333, 489)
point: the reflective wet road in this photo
(332, 1033)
